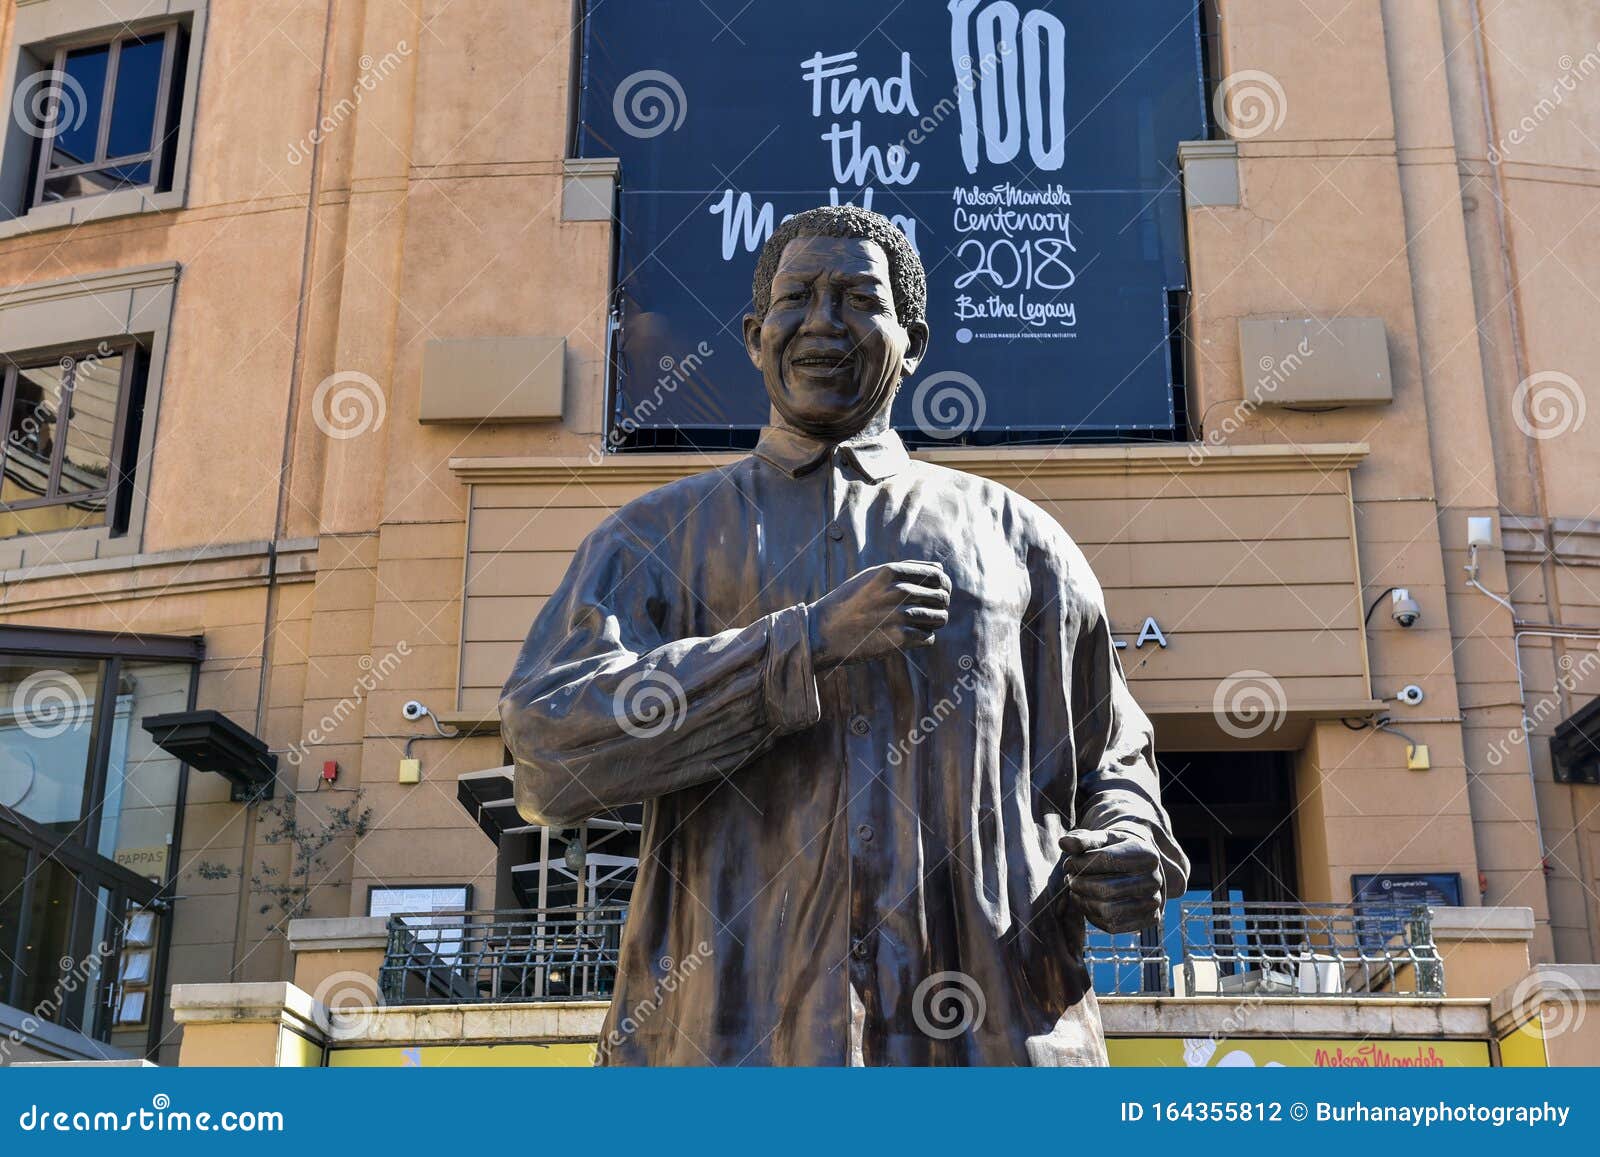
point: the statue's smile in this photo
(820, 363)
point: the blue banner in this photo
(709, 1112)
(1029, 150)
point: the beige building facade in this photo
(339, 370)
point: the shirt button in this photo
(859, 950)
(859, 724)
(865, 832)
(835, 532)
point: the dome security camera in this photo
(1405, 609)
(1411, 695)
(414, 710)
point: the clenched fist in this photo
(1114, 878)
(880, 611)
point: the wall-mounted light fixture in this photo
(209, 741)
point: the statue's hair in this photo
(906, 276)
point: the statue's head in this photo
(840, 318)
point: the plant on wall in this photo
(288, 890)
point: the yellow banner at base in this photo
(1129, 1052)
(1205, 1053)
(444, 1056)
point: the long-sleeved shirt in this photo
(858, 866)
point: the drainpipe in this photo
(1522, 629)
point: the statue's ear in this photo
(752, 338)
(917, 334)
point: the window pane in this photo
(58, 516)
(46, 715)
(141, 797)
(47, 943)
(133, 107)
(124, 175)
(31, 440)
(13, 869)
(91, 424)
(78, 101)
(94, 181)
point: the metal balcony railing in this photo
(551, 954)
(1227, 948)
(1236, 948)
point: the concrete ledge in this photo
(51, 1040)
(140, 1064)
(1210, 173)
(1482, 924)
(275, 1002)
(997, 463)
(1574, 986)
(579, 1021)
(343, 934)
(1294, 1017)
(589, 188)
(1125, 1016)
(295, 555)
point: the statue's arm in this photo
(1118, 788)
(601, 710)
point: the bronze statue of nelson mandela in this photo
(889, 759)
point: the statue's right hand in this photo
(882, 610)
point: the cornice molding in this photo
(84, 284)
(999, 464)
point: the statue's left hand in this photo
(1114, 877)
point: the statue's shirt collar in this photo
(877, 456)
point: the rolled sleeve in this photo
(789, 681)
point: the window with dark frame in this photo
(71, 422)
(90, 826)
(111, 117)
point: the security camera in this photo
(414, 710)
(1405, 610)
(1411, 695)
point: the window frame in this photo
(80, 856)
(38, 28)
(162, 135)
(117, 474)
(75, 1013)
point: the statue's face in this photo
(831, 348)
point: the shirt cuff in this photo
(789, 682)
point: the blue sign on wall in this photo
(1029, 149)
(1403, 888)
